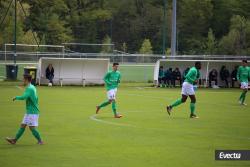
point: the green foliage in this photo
(211, 43)
(146, 47)
(235, 42)
(130, 22)
(106, 48)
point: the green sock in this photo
(176, 103)
(243, 97)
(114, 107)
(19, 133)
(192, 108)
(36, 134)
(104, 104)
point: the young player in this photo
(32, 112)
(243, 74)
(111, 79)
(188, 90)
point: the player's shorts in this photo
(187, 89)
(111, 94)
(30, 119)
(244, 85)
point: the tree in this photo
(211, 43)
(193, 24)
(146, 47)
(235, 42)
(106, 48)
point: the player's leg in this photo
(36, 134)
(192, 106)
(244, 87)
(18, 134)
(244, 93)
(113, 99)
(179, 101)
(105, 103)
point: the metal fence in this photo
(115, 57)
(134, 67)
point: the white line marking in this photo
(93, 117)
(19, 87)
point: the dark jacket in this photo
(49, 72)
(177, 74)
(224, 74)
(234, 74)
(213, 75)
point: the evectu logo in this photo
(232, 154)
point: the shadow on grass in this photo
(16, 146)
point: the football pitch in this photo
(145, 137)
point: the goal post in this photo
(74, 71)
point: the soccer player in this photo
(32, 112)
(111, 79)
(188, 90)
(243, 74)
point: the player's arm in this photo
(106, 79)
(25, 95)
(238, 74)
(248, 73)
(119, 79)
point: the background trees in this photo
(203, 27)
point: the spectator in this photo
(213, 77)
(234, 76)
(161, 76)
(50, 73)
(177, 76)
(224, 75)
(185, 73)
(168, 77)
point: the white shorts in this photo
(111, 94)
(244, 85)
(187, 89)
(30, 119)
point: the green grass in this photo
(145, 137)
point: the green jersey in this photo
(243, 74)
(31, 98)
(112, 79)
(192, 75)
(161, 73)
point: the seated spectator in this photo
(234, 76)
(168, 77)
(213, 75)
(184, 74)
(160, 76)
(224, 75)
(50, 73)
(177, 76)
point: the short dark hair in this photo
(244, 60)
(115, 64)
(197, 63)
(28, 77)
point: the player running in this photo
(111, 79)
(32, 112)
(243, 75)
(188, 90)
